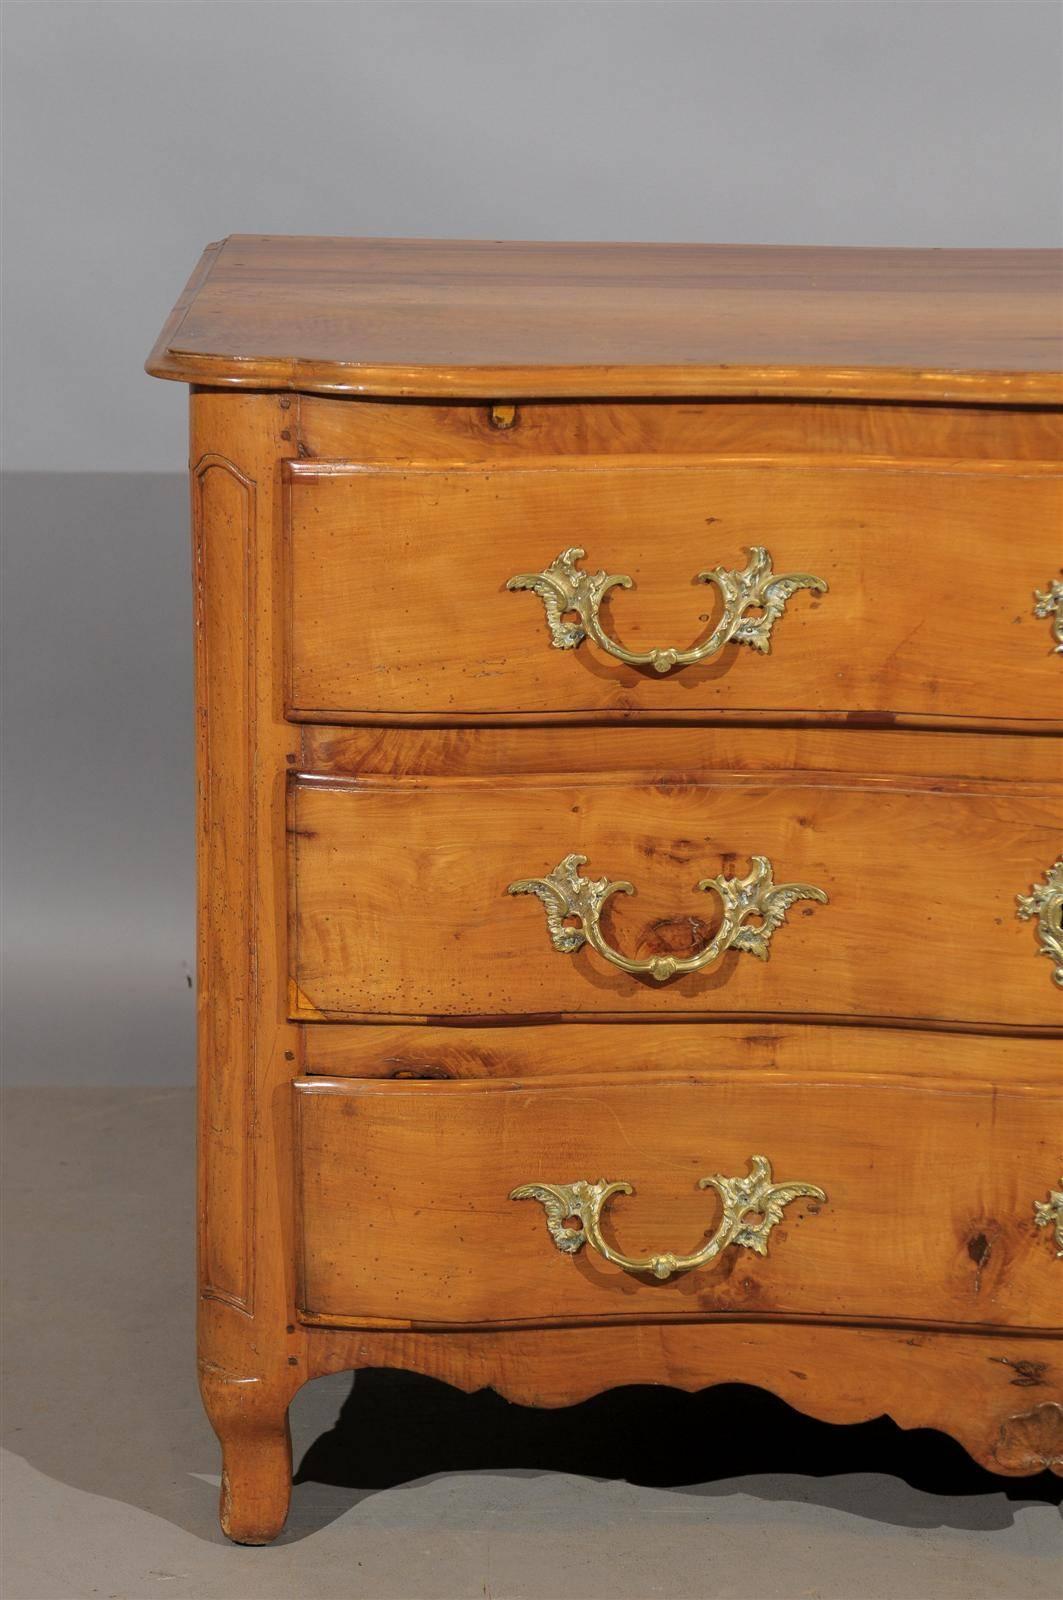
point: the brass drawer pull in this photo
(1045, 902)
(565, 894)
(1050, 604)
(751, 1207)
(1049, 1214)
(563, 587)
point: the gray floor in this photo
(406, 1490)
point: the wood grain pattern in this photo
(399, 603)
(346, 428)
(796, 1050)
(497, 320)
(680, 755)
(975, 1387)
(400, 903)
(929, 1216)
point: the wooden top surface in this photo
(492, 321)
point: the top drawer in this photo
(404, 606)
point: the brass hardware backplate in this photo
(1049, 603)
(1045, 902)
(1049, 1214)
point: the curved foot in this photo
(251, 1421)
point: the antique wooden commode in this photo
(629, 697)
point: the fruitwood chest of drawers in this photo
(629, 698)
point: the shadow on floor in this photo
(397, 1428)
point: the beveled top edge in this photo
(482, 320)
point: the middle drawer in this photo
(802, 895)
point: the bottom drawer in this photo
(926, 1213)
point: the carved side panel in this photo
(223, 502)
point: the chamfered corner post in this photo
(252, 1351)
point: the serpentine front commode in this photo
(400, 771)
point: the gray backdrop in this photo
(135, 133)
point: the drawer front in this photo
(888, 902)
(410, 597)
(444, 1204)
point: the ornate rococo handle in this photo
(565, 894)
(1049, 1214)
(1045, 902)
(751, 1207)
(564, 587)
(1050, 604)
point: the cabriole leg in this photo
(251, 1421)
